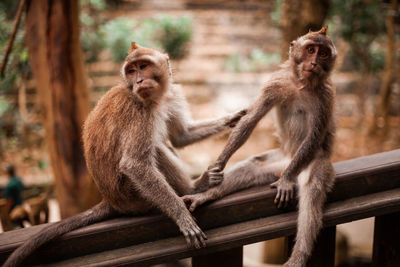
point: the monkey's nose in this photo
(139, 81)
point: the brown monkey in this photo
(303, 97)
(127, 148)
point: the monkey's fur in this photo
(127, 143)
(303, 97)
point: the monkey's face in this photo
(315, 59)
(313, 55)
(146, 72)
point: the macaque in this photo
(128, 143)
(303, 97)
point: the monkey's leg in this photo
(313, 182)
(153, 186)
(174, 171)
(257, 170)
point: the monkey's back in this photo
(115, 122)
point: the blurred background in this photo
(222, 53)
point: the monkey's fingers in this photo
(214, 181)
(197, 237)
(274, 184)
(288, 197)
(215, 177)
(201, 236)
(282, 199)
(236, 118)
(278, 196)
(187, 238)
(193, 239)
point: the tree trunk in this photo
(298, 17)
(52, 37)
(381, 117)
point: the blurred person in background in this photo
(13, 190)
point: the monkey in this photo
(129, 139)
(302, 96)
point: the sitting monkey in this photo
(303, 97)
(127, 143)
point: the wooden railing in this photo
(365, 187)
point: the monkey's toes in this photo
(192, 202)
(195, 238)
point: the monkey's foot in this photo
(193, 201)
(194, 236)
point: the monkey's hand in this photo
(235, 118)
(215, 174)
(285, 192)
(193, 234)
(193, 201)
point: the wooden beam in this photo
(356, 179)
(236, 235)
(386, 240)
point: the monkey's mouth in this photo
(144, 91)
(310, 71)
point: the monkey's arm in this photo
(186, 133)
(153, 187)
(245, 127)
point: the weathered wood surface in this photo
(236, 235)
(245, 217)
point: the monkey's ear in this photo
(324, 30)
(134, 46)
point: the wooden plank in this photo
(324, 249)
(386, 241)
(239, 234)
(355, 177)
(231, 257)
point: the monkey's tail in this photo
(309, 223)
(98, 213)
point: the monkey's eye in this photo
(131, 71)
(310, 49)
(323, 54)
(143, 66)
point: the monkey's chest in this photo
(292, 122)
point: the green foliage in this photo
(360, 19)
(256, 61)
(276, 13)
(361, 24)
(4, 105)
(97, 5)
(166, 33)
(173, 35)
(118, 37)
(17, 65)
(92, 38)
(377, 61)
